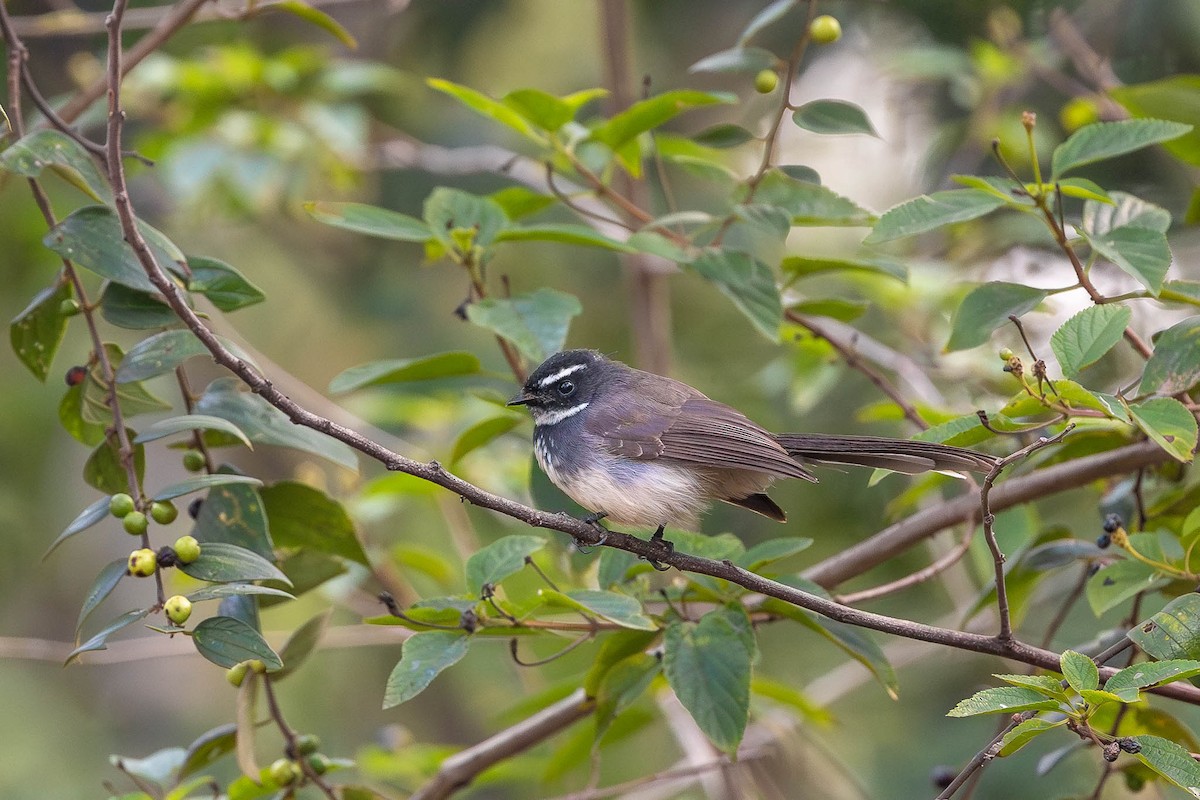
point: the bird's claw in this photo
(593, 520)
(667, 547)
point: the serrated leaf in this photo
(566, 233)
(772, 550)
(1080, 671)
(222, 284)
(370, 220)
(500, 559)
(91, 237)
(1118, 582)
(833, 117)
(619, 608)
(735, 60)
(748, 282)
(91, 515)
(986, 308)
(424, 656)
(191, 422)
(1171, 761)
(448, 212)
(1168, 422)
(1174, 632)
(1085, 337)
(227, 641)
(1105, 140)
(1045, 684)
(804, 266)
(492, 109)
(404, 370)
(536, 323)
(930, 212)
(1124, 210)
(165, 351)
(38, 330)
(201, 482)
(100, 640)
(1141, 253)
(225, 563)
(482, 433)
(1175, 98)
(1024, 733)
(1003, 699)
(301, 644)
(1175, 365)
(1127, 682)
(810, 204)
(652, 112)
(106, 580)
(301, 516)
(1083, 189)
(708, 667)
(265, 424)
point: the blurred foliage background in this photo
(247, 120)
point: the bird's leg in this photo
(667, 547)
(593, 519)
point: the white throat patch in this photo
(562, 373)
(542, 417)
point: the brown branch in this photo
(983, 756)
(289, 738)
(939, 566)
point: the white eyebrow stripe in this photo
(562, 373)
(555, 417)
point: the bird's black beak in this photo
(522, 399)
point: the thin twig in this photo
(289, 738)
(988, 753)
(915, 578)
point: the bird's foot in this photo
(593, 520)
(662, 544)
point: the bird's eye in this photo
(566, 388)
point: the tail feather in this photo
(898, 455)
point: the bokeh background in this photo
(248, 120)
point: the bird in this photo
(646, 451)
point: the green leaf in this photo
(810, 204)
(1045, 684)
(1175, 98)
(70, 415)
(724, 136)
(482, 433)
(1181, 292)
(1024, 733)
(566, 233)
(765, 18)
(619, 608)
(536, 323)
(234, 514)
(858, 644)
(1142, 253)
(805, 266)
(92, 238)
(94, 513)
(165, 351)
(1083, 189)
(314, 16)
(1174, 632)
(307, 571)
(521, 201)
(986, 308)
(621, 685)
(615, 648)
(1087, 336)
(1168, 422)
(106, 580)
(833, 117)
(1171, 761)
(707, 664)
(492, 109)
(794, 699)
(219, 591)
(648, 114)
(614, 567)
(104, 469)
(227, 641)
(135, 309)
(208, 748)
(301, 644)
(303, 517)
(772, 550)
(453, 214)
(265, 424)
(405, 370)
(371, 220)
(498, 560)
(100, 640)
(1105, 140)
(542, 109)
(425, 654)
(834, 308)
(736, 59)
(1080, 671)
(1126, 683)
(37, 331)
(200, 482)
(191, 422)
(224, 563)
(1175, 365)
(1118, 582)
(930, 212)
(133, 398)
(224, 286)
(1006, 699)
(748, 282)
(1124, 210)
(1096, 698)
(34, 152)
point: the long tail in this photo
(899, 455)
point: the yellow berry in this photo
(237, 673)
(825, 29)
(187, 549)
(766, 81)
(143, 563)
(283, 771)
(178, 609)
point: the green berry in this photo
(766, 81)
(236, 674)
(257, 666)
(178, 609)
(1006, 354)
(283, 771)
(193, 461)
(164, 513)
(187, 549)
(135, 523)
(320, 763)
(307, 744)
(68, 307)
(825, 29)
(143, 563)
(120, 504)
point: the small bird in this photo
(646, 451)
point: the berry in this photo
(1103, 541)
(942, 776)
(164, 513)
(1006, 354)
(320, 763)
(236, 674)
(1111, 523)
(193, 461)
(766, 81)
(257, 665)
(178, 609)
(75, 375)
(307, 744)
(143, 563)
(68, 307)
(121, 504)
(187, 549)
(825, 29)
(283, 771)
(135, 523)
(1130, 745)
